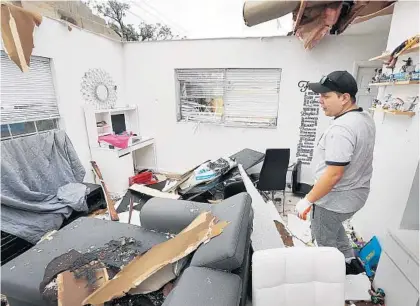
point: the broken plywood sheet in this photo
(153, 192)
(264, 235)
(17, 27)
(202, 229)
(72, 291)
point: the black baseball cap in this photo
(339, 81)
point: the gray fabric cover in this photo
(170, 216)
(41, 178)
(205, 287)
(225, 251)
(21, 277)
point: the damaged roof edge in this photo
(256, 12)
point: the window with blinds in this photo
(28, 100)
(232, 97)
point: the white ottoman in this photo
(298, 277)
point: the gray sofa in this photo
(220, 267)
(216, 274)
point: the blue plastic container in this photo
(370, 255)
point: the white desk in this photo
(117, 165)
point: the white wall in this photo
(150, 83)
(74, 53)
(397, 143)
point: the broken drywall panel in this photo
(17, 27)
(155, 281)
(160, 255)
(153, 192)
(308, 127)
(135, 218)
(299, 228)
(284, 233)
(357, 287)
(72, 291)
(264, 235)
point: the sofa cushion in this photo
(227, 251)
(204, 286)
(21, 277)
(168, 215)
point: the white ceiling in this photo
(380, 24)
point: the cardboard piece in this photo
(72, 291)
(153, 192)
(139, 269)
(17, 27)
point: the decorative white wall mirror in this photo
(99, 89)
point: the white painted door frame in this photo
(357, 66)
(364, 64)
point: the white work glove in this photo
(303, 207)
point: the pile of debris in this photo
(121, 272)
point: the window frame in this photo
(56, 123)
(223, 122)
(56, 120)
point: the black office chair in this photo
(273, 172)
(298, 188)
(234, 188)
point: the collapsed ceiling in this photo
(315, 19)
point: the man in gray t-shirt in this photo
(343, 164)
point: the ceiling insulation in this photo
(315, 19)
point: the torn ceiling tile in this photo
(17, 27)
(315, 19)
(159, 256)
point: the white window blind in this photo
(27, 96)
(237, 97)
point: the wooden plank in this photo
(109, 201)
(386, 55)
(394, 112)
(395, 83)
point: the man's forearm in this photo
(326, 183)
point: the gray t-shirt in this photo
(349, 142)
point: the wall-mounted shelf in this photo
(393, 112)
(386, 55)
(394, 83)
